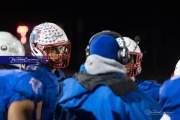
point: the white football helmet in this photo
(134, 67)
(10, 46)
(49, 42)
(177, 70)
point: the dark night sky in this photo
(157, 23)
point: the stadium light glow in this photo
(22, 30)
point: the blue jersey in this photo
(151, 88)
(16, 85)
(170, 99)
(101, 103)
(51, 89)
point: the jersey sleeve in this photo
(169, 97)
(29, 87)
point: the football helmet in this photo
(11, 46)
(49, 42)
(134, 66)
(177, 70)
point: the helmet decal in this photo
(46, 34)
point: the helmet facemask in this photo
(55, 55)
(134, 67)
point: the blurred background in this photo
(157, 23)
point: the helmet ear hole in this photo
(35, 44)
